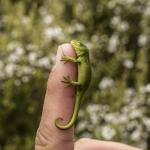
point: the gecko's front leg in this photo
(67, 58)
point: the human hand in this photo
(59, 102)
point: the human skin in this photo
(59, 101)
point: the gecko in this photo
(83, 80)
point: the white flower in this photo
(42, 11)
(87, 135)
(113, 43)
(130, 91)
(147, 11)
(142, 40)
(108, 132)
(13, 58)
(13, 45)
(19, 51)
(136, 113)
(48, 19)
(129, 1)
(115, 21)
(123, 118)
(136, 135)
(26, 70)
(93, 108)
(111, 4)
(82, 125)
(17, 82)
(128, 64)
(53, 32)
(14, 33)
(44, 62)
(123, 26)
(146, 122)
(132, 125)
(10, 69)
(32, 57)
(25, 79)
(53, 58)
(106, 82)
(147, 88)
(94, 118)
(119, 24)
(79, 27)
(110, 117)
(16, 54)
(32, 47)
(25, 20)
(142, 89)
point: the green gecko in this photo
(83, 81)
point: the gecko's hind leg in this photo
(67, 80)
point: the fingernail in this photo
(61, 49)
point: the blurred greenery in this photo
(117, 33)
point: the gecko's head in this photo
(78, 46)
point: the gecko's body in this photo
(83, 79)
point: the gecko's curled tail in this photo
(58, 121)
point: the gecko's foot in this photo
(67, 80)
(65, 58)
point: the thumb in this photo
(58, 103)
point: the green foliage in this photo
(117, 33)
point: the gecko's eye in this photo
(78, 43)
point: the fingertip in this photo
(64, 49)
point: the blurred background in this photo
(117, 32)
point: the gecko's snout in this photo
(75, 43)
